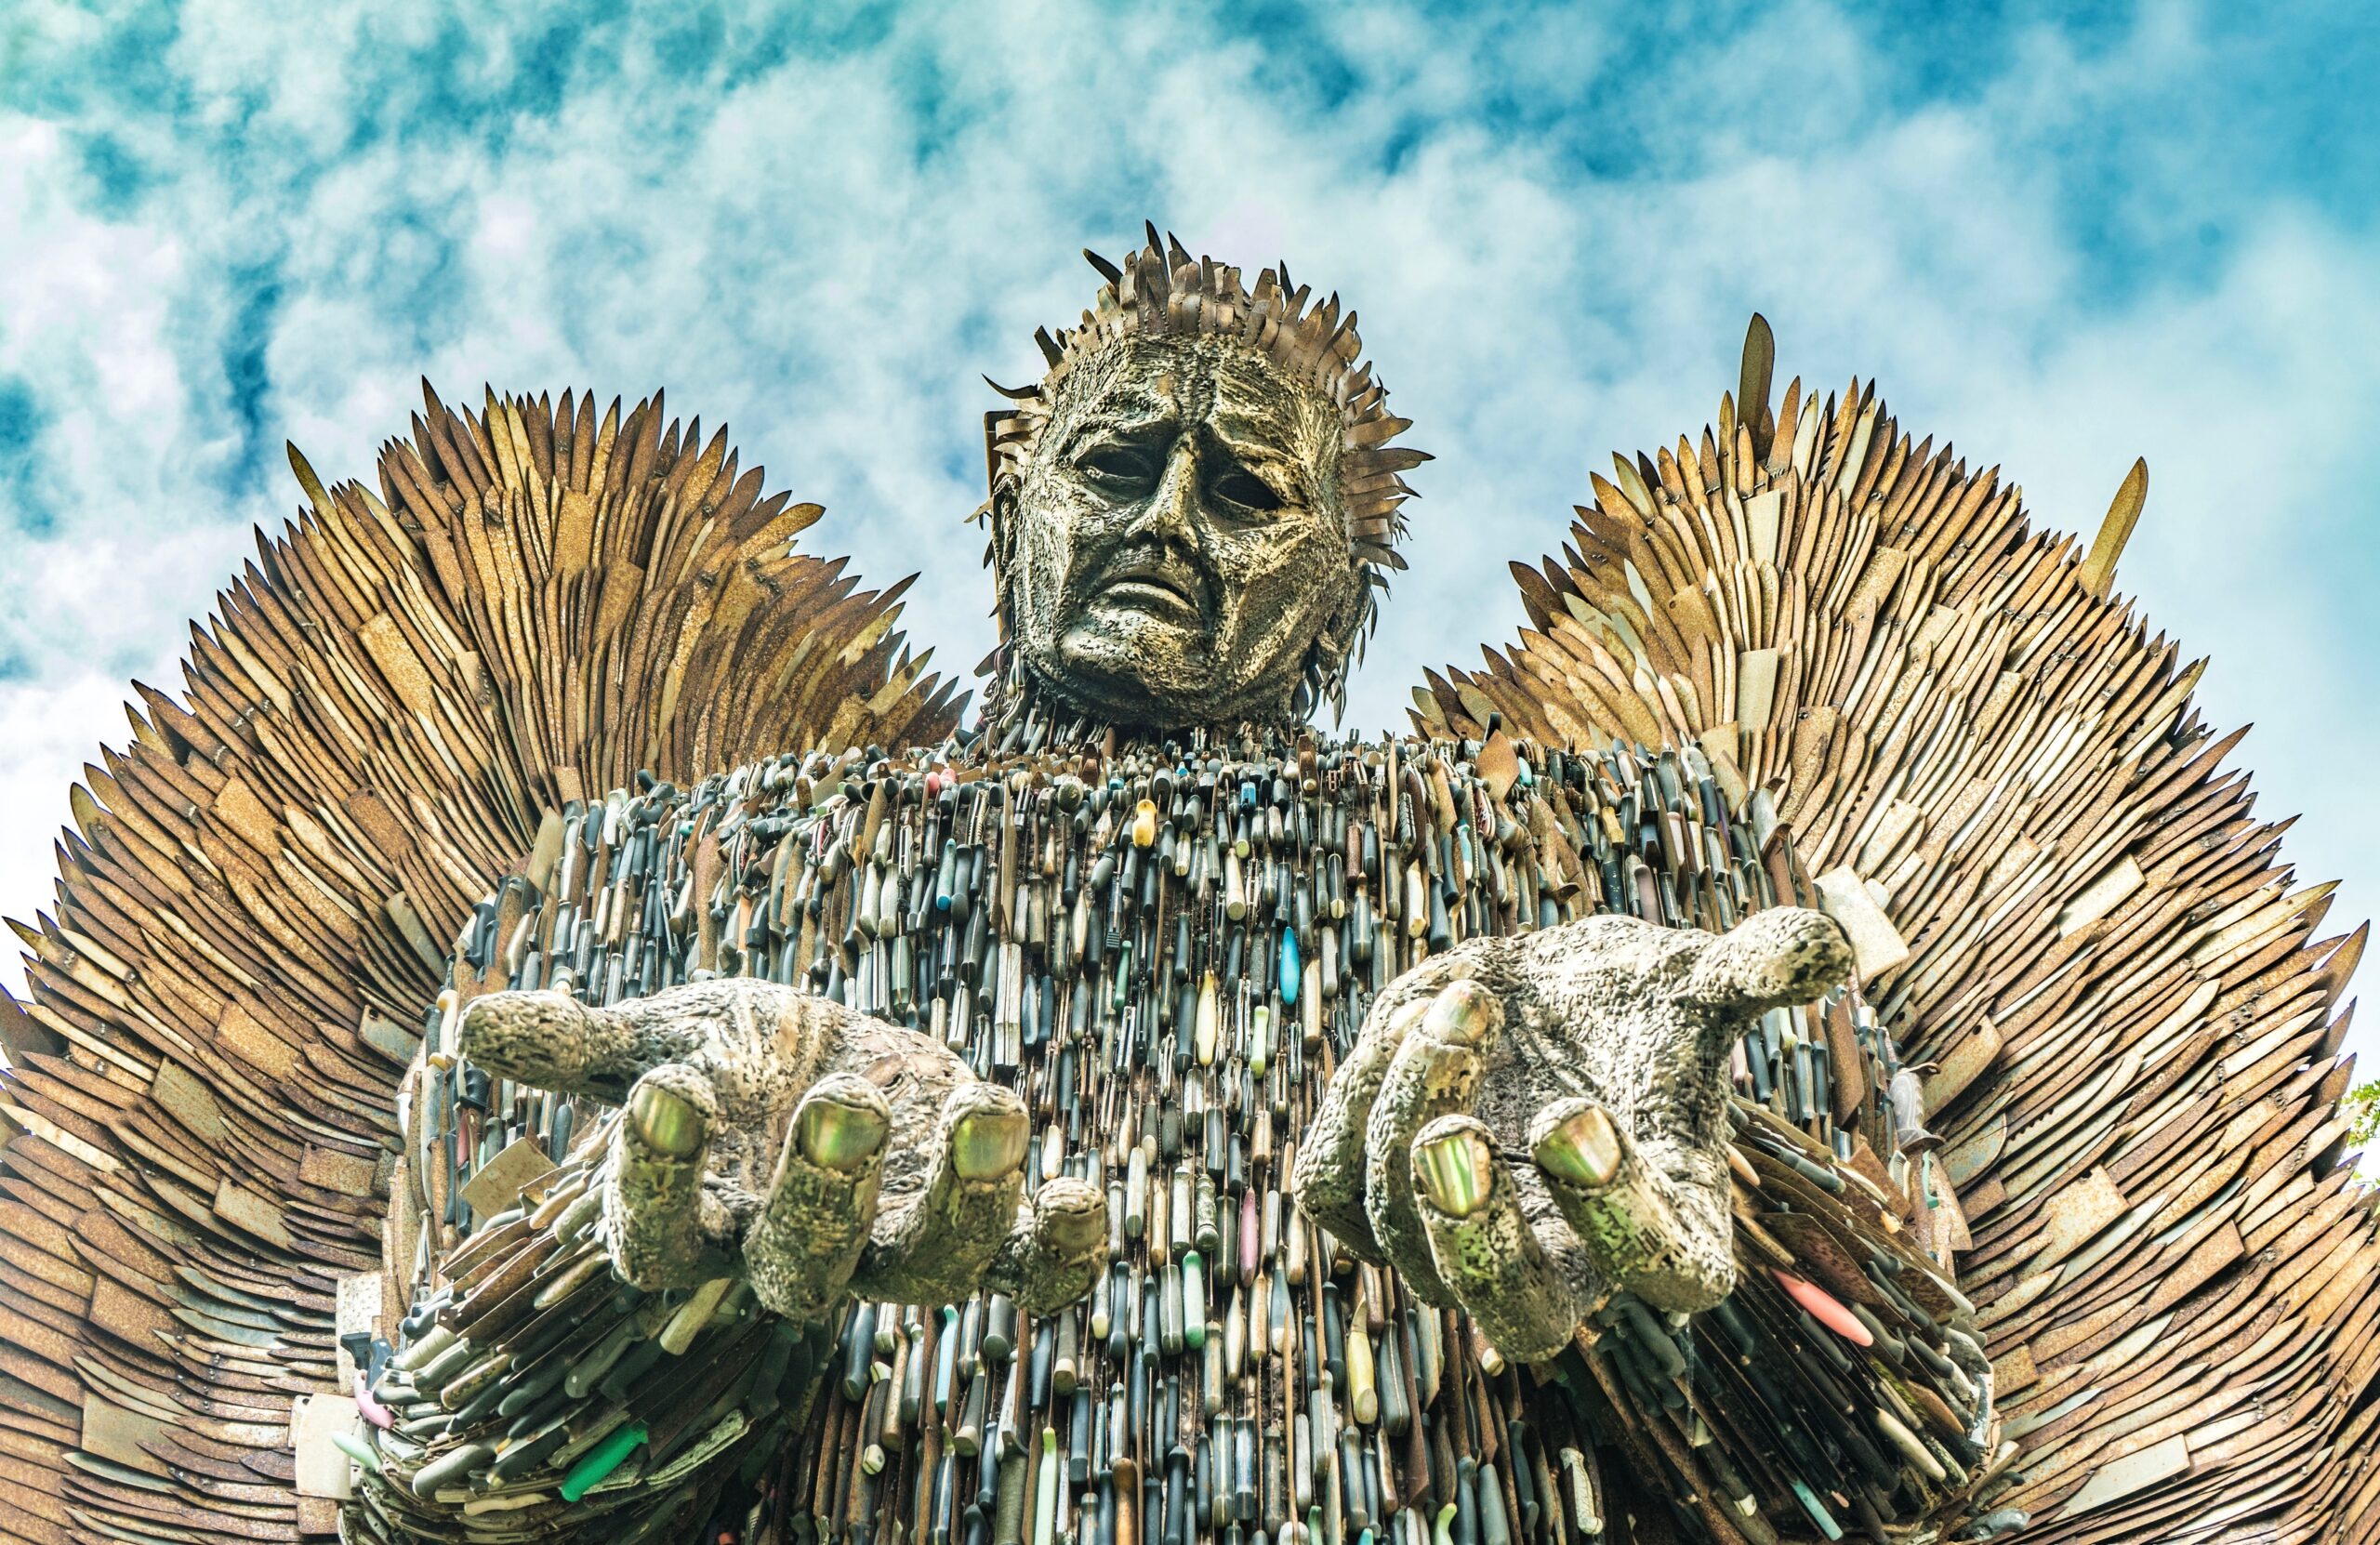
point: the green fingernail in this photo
(667, 1122)
(988, 1143)
(1072, 1229)
(1454, 1170)
(1583, 1150)
(840, 1136)
(1464, 1013)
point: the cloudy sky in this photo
(2062, 238)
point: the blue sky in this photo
(2060, 236)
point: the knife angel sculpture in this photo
(562, 1028)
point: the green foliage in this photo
(2362, 1106)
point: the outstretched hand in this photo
(1600, 1048)
(811, 1150)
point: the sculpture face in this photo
(1178, 550)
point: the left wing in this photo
(2078, 932)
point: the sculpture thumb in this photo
(1777, 958)
(550, 1039)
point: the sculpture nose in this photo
(1171, 511)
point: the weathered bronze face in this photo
(1177, 551)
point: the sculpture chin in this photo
(1140, 664)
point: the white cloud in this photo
(1554, 232)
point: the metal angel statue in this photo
(564, 1030)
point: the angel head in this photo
(1191, 511)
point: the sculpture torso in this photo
(1166, 952)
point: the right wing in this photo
(260, 893)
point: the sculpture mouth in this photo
(1156, 589)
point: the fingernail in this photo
(1464, 1013)
(1584, 1149)
(986, 1143)
(1074, 1229)
(666, 1122)
(840, 1136)
(1454, 1170)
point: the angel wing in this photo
(259, 890)
(2064, 904)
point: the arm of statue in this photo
(812, 1151)
(1599, 1048)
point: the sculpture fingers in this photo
(1486, 1252)
(1329, 1179)
(553, 1041)
(1645, 1231)
(1435, 1072)
(1057, 1252)
(804, 1243)
(663, 1230)
(1777, 958)
(935, 1248)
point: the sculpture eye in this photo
(1116, 467)
(1238, 485)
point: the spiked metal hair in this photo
(1162, 291)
